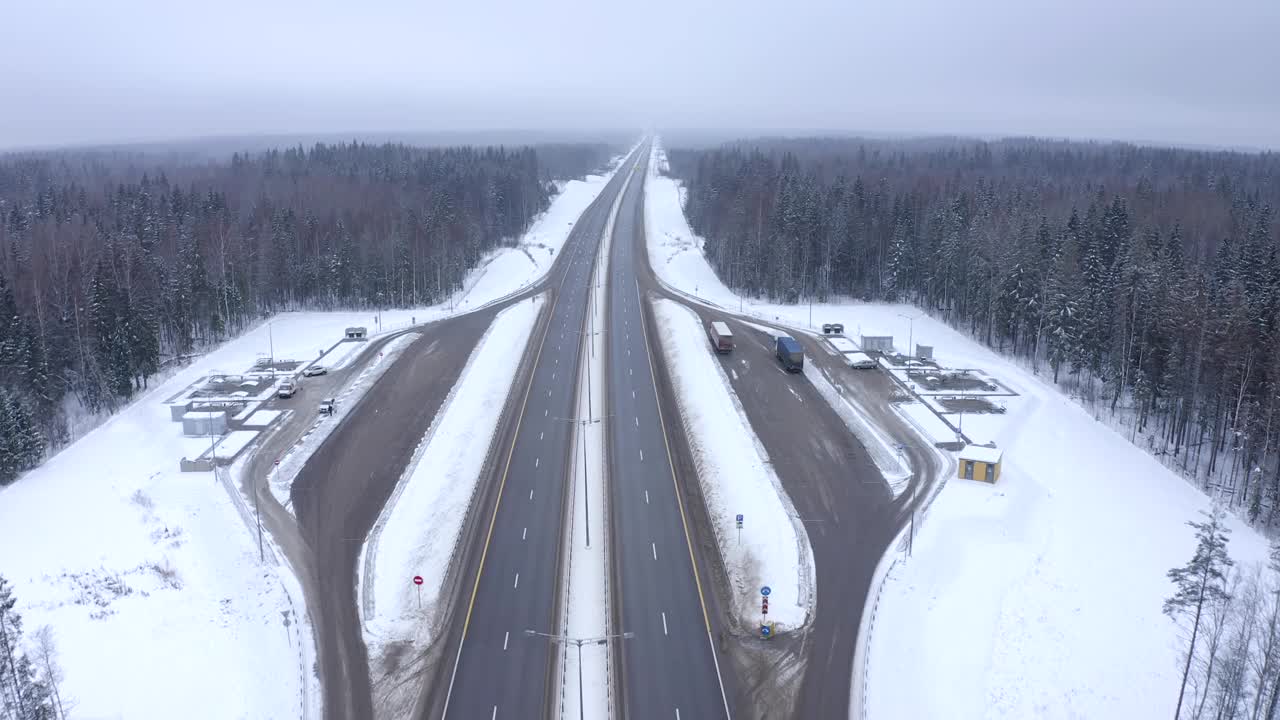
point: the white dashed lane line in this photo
(506, 639)
(517, 583)
(664, 624)
(655, 550)
(646, 497)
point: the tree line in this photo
(30, 675)
(1231, 616)
(1146, 280)
(113, 264)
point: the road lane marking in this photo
(544, 432)
(664, 624)
(548, 392)
(494, 716)
(553, 375)
(506, 639)
(544, 412)
(631, 371)
(655, 550)
(641, 456)
(677, 713)
(530, 493)
(646, 497)
(684, 521)
(537, 462)
(524, 535)
(517, 584)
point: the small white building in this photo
(357, 333)
(877, 343)
(198, 423)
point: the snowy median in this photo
(736, 479)
(418, 529)
(281, 481)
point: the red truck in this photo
(721, 336)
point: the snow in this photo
(281, 480)
(263, 418)
(233, 443)
(736, 479)
(510, 269)
(981, 454)
(882, 449)
(843, 344)
(341, 355)
(927, 422)
(419, 527)
(1038, 596)
(154, 591)
(586, 593)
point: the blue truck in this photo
(790, 354)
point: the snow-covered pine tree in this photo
(1198, 583)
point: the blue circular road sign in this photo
(765, 631)
(765, 591)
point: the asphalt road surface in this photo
(842, 499)
(498, 671)
(669, 668)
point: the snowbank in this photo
(1039, 596)
(735, 480)
(418, 529)
(281, 479)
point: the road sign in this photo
(739, 518)
(417, 579)
(765, 591)
(766, 631)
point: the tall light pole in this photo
(579, 642)
(586, 491)
(911, 332)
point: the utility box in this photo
(204, 423)
(357, 333)
(877, 343)
(924, 352)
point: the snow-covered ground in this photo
(736, 479)
(1039, 596)
(281, 480)
(418, 529)
(585, 594)
(153, 586)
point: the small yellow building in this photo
(979, 462)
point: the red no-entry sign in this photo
(417, 579)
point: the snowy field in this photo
(1036, 597)
(736, 479)
(149, 577)
(418, 529)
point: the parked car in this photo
(287, 389)
(327, 406)
(859, 361)
(315, 370)
(832, 329)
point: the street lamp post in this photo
(579, 642)
(911, 328)
(586, 492)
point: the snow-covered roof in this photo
(203, 415)
(981, 453)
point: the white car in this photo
(287, 389)
(860, 361)
(314, 370)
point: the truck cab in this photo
(789, 353)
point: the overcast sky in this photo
(1173, 71)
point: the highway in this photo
(494, 670)
(845, 504)
(669, 668)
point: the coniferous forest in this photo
(1143, 280)
(113, 264)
